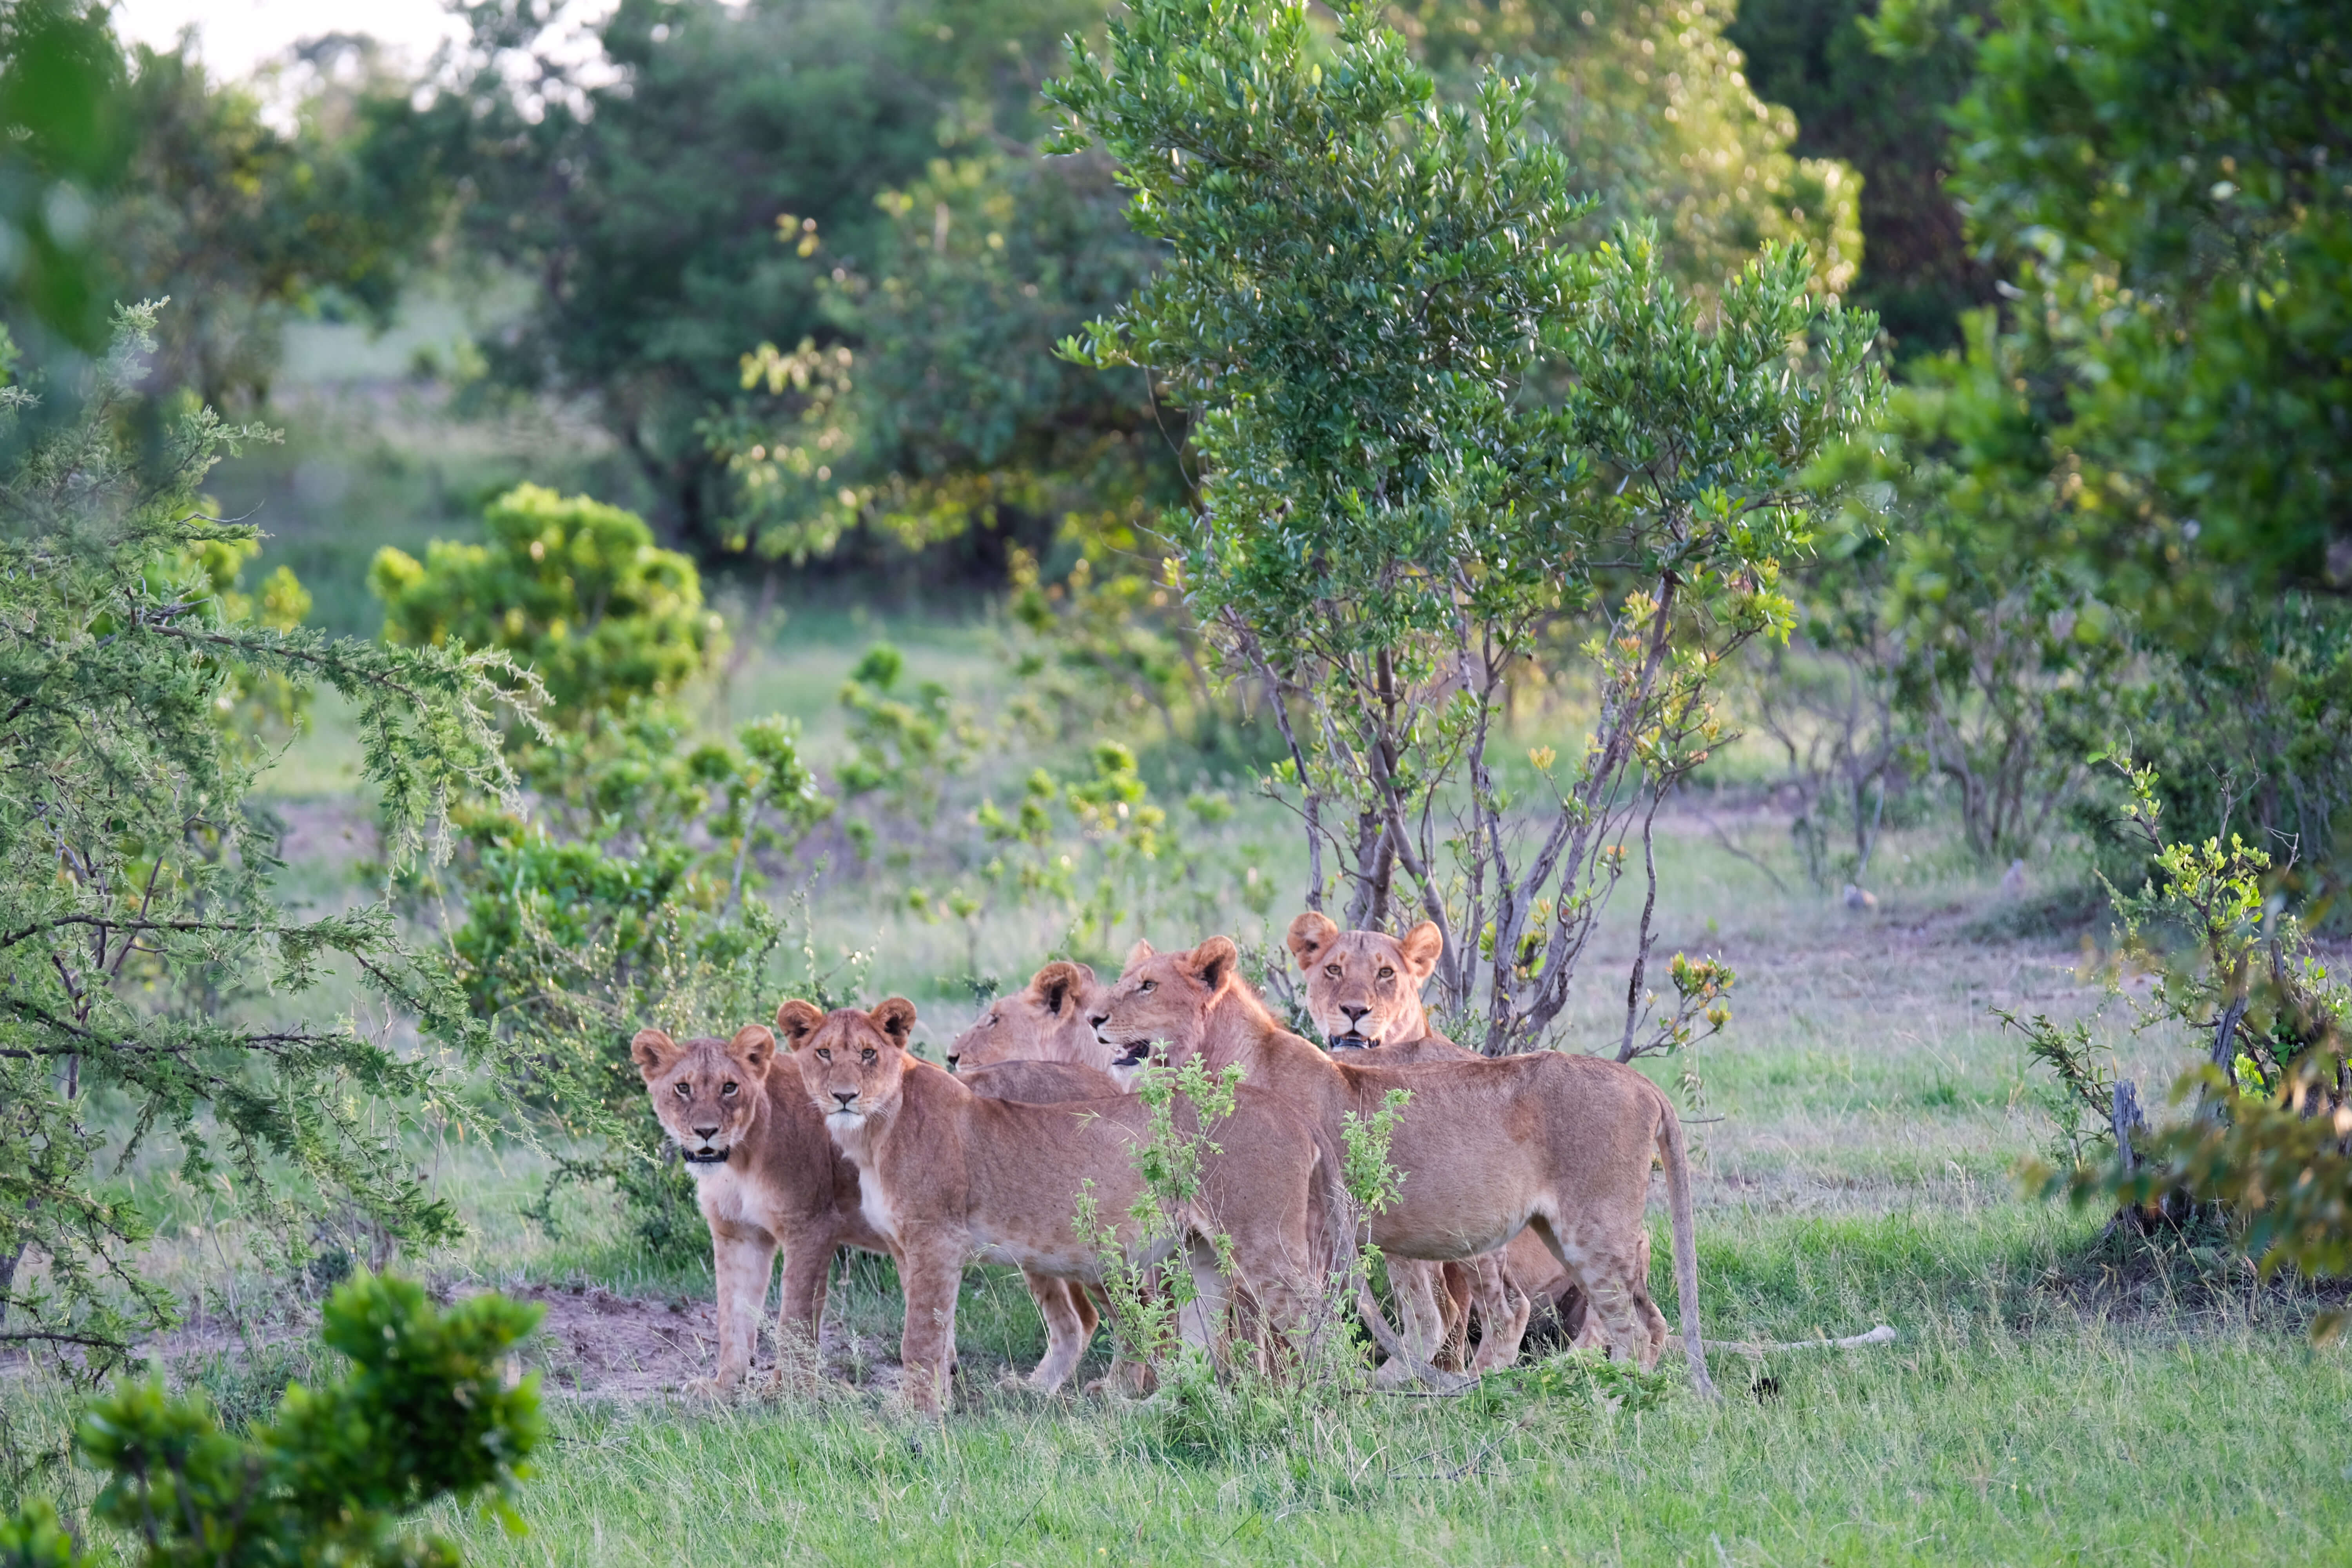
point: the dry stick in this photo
(1881, 1335)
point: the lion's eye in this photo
(1332, 970)
(1149, 986)
(685, 1092)
(727, 1090)
(867, 1054)
(824, 1054)
(1386, 972)
(993, 1020)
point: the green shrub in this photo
(572, 587)
(427, 1411)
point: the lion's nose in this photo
(1354, 1014)
(1098, 1019)
(953, 1057)
(706, 1133)
(844, 1096)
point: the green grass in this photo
(1964, 1443)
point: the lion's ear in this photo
(1213, 960)
(1136, 956)
(1421, 946)
(753, 1046)
(654, 1052)
(1061, 983)
(895, 1018)
(1310, 934)
(796, 1020)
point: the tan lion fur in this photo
(1549, 1140)
(1045, 1021)
(952, 1178)
(784, 1186)
(781, 1184)
(1364, 991)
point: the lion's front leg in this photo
(800, 1310)
(741, 1260)
(931, 1270)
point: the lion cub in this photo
(952, 1178)
(766, 1175)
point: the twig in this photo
(1881, 1335)
(1753, 860)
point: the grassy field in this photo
(2047, 1400)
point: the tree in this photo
(2145, 438)
(61, 103)
(1648, 104)
(1362, 284)
(1827, 60)
(621, 892)
(573, 588)
(144, 951)
(426, 1413)
(2169, 185)
(646, 207)
(242, 224)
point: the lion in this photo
(1365, 997)
(768, 1178)
(951, 1178)
(1043, 1021)
(1554, 1142)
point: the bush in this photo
(427, 1411)
(570, 586)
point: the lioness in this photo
(952, 1178)
(1045, 1021)
(768, 1177)
(1559, 1144)
(1364, 991)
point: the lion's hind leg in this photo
(1503, 1311)
(1609, 1269)
(1067, 1330)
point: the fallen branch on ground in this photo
(1881, 1335)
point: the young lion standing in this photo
(952, 1178)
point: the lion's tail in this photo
(1676, 1158)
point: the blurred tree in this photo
(426, 1414)
(2148, 435)
(2170, 186)
(1889, 120)
(572, 587)
(242, 225)
(67, 140)
(645, 204)
(1648, 104)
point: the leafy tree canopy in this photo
(2171, 181)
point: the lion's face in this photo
(1163, 999)
(852, 1064)
(1047, 1021)
(1363, 987)
(705, 1092)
